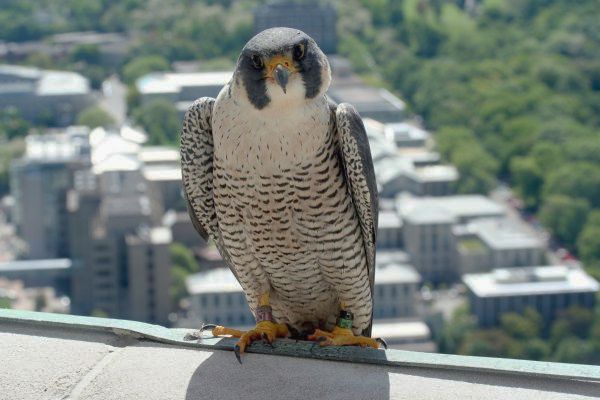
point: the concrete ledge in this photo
(395, 358)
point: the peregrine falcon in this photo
(281, 179)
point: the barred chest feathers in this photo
(270, 140)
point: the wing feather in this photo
(356, 159)
(197, 172)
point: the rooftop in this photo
(161, 173)
(388, 219)
(389, 168)
(159, 155)
(35, 265)
(530, 281)
(64, 146)
(47, 82)
(503, 233)
(404, 132)
(436, 173)
(447, 208)
(170, 82)
(366, 98)
(396, 273)
(399, 329)
(60, 356)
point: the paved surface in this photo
(113, 99)
(40, 362)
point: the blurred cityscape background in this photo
(484, 123)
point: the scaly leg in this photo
(342, 335)
(265, 329)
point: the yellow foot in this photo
(343, 337)
(265, 330)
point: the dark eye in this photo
(299, 51)
(257, 61)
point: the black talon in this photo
(265, 339)
(206, 327)
(383, 342)
(236, 350)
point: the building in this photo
(389, 230)
(405, 334)
(117, 240)
(98, 198)
(399, 174)
(44, 96)
(404, 163)
(428, 224)
(216, 297)
(39, 183)
(490, 243)
(181, 89)
(315, 19)
(54, 273)
(546, 289)
(373, 103)
(182, 229)
(112, 47)
(376, 103)
(15, 295)
(404, 134)
(396, 291)
(162, 172)
(149, 274)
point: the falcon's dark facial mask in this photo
(282, 63)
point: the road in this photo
(113, 99)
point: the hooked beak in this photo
(279, 68)
(281, 75)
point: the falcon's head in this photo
(282, 66)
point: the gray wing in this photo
(360, 176)
(197, 171)
(197, 166)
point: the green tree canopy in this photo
(528, 178)
(581, 179)
(588, 243)
(565, 216)
(575, 350)
(94, 116)
(526, 326)
(12, 125)
(183, 264)
(159, 118)
(143, 65)
(182, 257)
(490, 343)
(574, 321)
(88, 53)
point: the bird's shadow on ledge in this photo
(266, 376)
